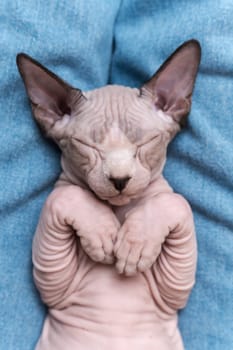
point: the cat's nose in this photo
(119, 183)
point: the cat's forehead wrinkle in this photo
(115, 138)
(115, 106)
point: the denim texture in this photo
(89, 43)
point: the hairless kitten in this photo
(114, 252)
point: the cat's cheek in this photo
(139, 182)
(152, 160)
(99, 183)
(147, 157)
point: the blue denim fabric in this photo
(77, 40)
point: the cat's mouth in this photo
(121, 198)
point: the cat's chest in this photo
(122, 211)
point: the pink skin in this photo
(155, 245)
(114, 252)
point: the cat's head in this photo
(114, 139)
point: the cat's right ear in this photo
(50, 96)
(172, 85)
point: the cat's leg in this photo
(160, 235)
(70, 212)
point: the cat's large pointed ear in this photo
(50, 96)
(172, 85)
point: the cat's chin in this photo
(119, 200)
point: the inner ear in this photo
(51, 97)
(44, 88)
(172, 85)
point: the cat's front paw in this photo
(93, 221)
(98, 234)
(139, 242)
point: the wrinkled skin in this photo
(114, 252)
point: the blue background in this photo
(90, 43)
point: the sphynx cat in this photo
(114, 252)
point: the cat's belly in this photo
(65, 338)
(108, 311)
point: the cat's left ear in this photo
(172, 85)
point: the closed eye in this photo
(76, 140)
(155, 139)
(90, 145)
(84, 155)
(149, 153)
